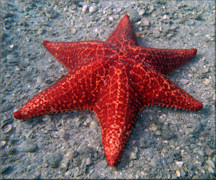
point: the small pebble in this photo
(2, 143)
(211, 170)
(201, 152)
(84, 8)
(133, 155)
(7, 128)
(7, 107)
(158, 132)
(153, 127)
(210, 163)
(150, 9)
(51, 13)
(165, 17)
(169, 35)
(209, 152)
(93, 124)
(73, 31)
(46, 118)
(110, 18)
(145, 22)
(92, 9)
(41, 31)
(206, 82)
(178, 174)
(28, 39)
(179, 163)
(54, 160)
(88, 161)
(131, 164)
(28, 146)
(167, 134)
(156, 163)
(12, 46)
(184, 81)
(75, 154)
(141, 12)
(73, 7)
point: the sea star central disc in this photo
(117, 79)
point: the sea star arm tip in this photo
(156, 88)
(165, 60)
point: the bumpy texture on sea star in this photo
(117, 79)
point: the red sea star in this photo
(117, 79)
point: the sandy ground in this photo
(165, 143)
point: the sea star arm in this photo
(116, 110)
(123, 34)
(71, 53)
(165, 60)
(77, 90)
(155, 88)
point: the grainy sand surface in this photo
(165, 143)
